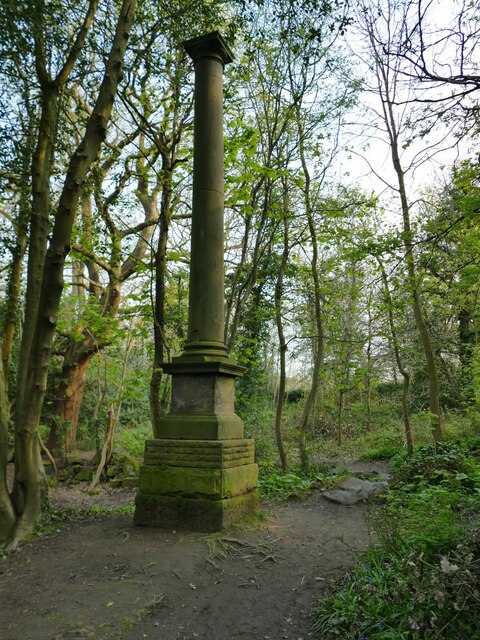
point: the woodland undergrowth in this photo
(421, 580)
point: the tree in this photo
(130, 203)
(439, 48)
(48, 246)
(450, 261)
(389, 92)
(389, 303)
(282, 343)
(296, 108)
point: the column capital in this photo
(209, 45)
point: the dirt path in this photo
(105, 579)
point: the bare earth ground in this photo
(105, 579)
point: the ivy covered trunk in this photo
(282, 345)
(156, 406)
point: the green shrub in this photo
(432, 464)
(133, 438)
(426, 519)
(297, 482)
(387, 452)
(282, 485)
(401, 596)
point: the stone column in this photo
(200, 474)
(206, 295)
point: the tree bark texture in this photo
(18, 252)
(319, 340)
(7, 512)
(159, 322)
(68, 403)
(467, 337)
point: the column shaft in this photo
(206, 297)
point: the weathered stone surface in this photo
(197, 482)
(84, 475)
(126, 482)
(350, 490)
(195, 393)
(206, 290)
(193, 514)
(210, 426)
(196, 359)
(199, 453)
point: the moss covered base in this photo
(194, 482)
(197, 485)
(193, 514)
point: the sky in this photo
(366, 158)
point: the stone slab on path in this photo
(350, 490)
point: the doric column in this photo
(206, 295)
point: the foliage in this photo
(133, 438)
(432, 465)
(402, 596)
(386, 452)
(55, 517)
(298, 482)
(286, 100)
(422, 580)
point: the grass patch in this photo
(403, 596)
(50, 519)
(386, 452)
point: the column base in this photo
(196, 485)
(193, 514)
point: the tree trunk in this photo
(282, 348)
(68, 403)
(466, 345)
(432, 373)
(368, 389)
(319, 339)
(13, 296)
(45, 285)
(156, 406)
(39, 228)
(241, 291)
(107, 447)
(398, 360)
(384, 85)
(18, 254)
(339, 417)
(7, 512)
(114, 411)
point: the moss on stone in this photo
(84, 475)
(193, 514)
(194, 481)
